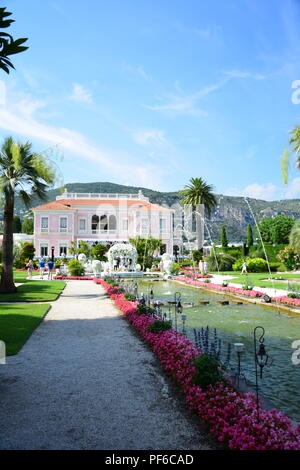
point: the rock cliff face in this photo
(232, 212)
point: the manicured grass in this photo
(258, 279)
(20, 276)
(17, 322)
(35, 291)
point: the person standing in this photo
(42, 268)
(29, 267)
(244, 267)
(50, 269)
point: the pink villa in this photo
(99, 218)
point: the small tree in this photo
(224, 241)
(249, 236)
(27, 226)
(98, 251)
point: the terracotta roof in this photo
(62, 204)
(54, 205)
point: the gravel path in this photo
(84, 380)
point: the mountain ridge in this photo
(231, 211)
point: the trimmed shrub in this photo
(208, 371)
(76, 268)
(254, 265)
(158, 326)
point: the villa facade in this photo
(99, 219)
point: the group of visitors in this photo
(42, 265)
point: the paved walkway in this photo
(84, 380)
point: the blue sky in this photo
(153, 92)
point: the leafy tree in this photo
(27, 226)
(98, 251)
(196, 193)
(73, 248)
(224, 241)
(20, 168)
(276, 229)
(27, 251)
(146, 247)
(17, 225)
(249, 236)
(197, 255)
(8, 45)
(84, 248)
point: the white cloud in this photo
(153, 137)
(244, 74)
(20, 119)
(79, 93)
(185, 103)
(267, 192)
(293, 189)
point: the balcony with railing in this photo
(139, 196)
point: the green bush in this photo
(222, 261)
(159, 325)
(75, 268)
(143, 309)
(197, 255)
(292, 295)
(254, 265)
(130, 297)
(175, 269)
(208, 370)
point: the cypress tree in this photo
(224, 240)
(249, 236)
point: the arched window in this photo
(112, 222)
(95, 222)
(103, 222)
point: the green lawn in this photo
(20, 276)
(17, 322)
(258, 279)
(35, 291)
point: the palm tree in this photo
(294, 142)
(196, 193)
(22, 173)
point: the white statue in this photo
(167, 264)
(82, 258)
(96, 267)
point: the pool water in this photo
(235, 324)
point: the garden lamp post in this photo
(261, 360)
(52, 253)
(239, 348)
(183, 319)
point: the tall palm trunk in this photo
(199, 225)
(7, 285)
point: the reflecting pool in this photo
(235, 323)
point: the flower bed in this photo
(77, 278)
(237, 290)
(196, 275)
(230, 415)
